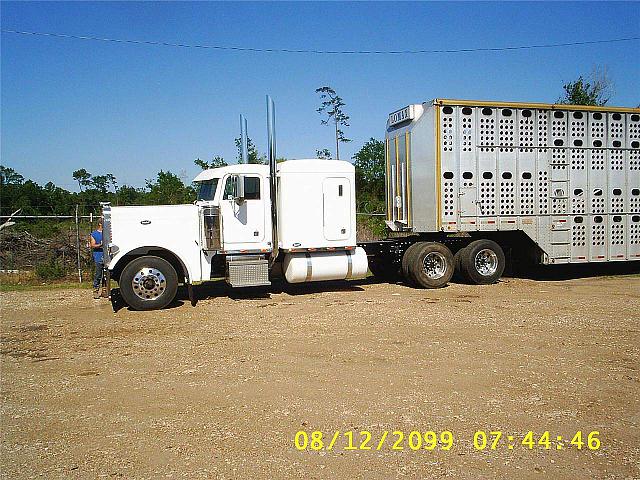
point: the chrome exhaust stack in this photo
(273, 184)
(244, 146)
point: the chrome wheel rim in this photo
(486, 262)
(149, 283)
(434, 265)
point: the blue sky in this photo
(132, 110)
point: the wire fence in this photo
(44, 248)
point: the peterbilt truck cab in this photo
(232, 232)
(240, 193)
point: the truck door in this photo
(336, 204)
(243, 221)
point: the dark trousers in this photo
(97, 279)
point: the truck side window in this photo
(252, 188)
(229, 189)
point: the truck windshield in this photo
(207, 189)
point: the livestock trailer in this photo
(552, 183)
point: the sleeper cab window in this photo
(252, 188)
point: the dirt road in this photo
(220, 390)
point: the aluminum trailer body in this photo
(565, 178)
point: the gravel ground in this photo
(220, 390)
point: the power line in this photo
(318, 52)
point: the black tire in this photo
(151, 277)
(457, 265)
(407, 260)
(437, 255)
(482, 262)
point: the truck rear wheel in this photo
(407, 260)
(457, 264)
(148, 283)
(432, 265)
(482, 262)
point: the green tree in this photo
(323, 154)
(128, 195)
(168, 189)
(10, 186)
(82, 177)
(111, 179)
(30, 197)
(216, 162)
(100, 183)
(59, 200)
(331, 106)
(33, 199)
(8, 176)
(254, 156)
(369, 165)
(596, 90)
(370, 196)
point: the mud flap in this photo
(117, 302)
(192, 295)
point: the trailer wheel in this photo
(432, 265)
(482, 262)
(457, 264)
(148, 283)
(407, 260)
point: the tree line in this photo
(16, 192)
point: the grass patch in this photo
(17, 287)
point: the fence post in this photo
(78, 246)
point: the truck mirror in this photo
(239, 193)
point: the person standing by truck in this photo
(95, 241)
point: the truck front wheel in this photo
(482, 262)
(431, 265)
(148, 283)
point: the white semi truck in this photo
(466, 181)
(296, 218)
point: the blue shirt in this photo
(97, 252)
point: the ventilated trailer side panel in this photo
(527, 172)
(633, 190)
(468, 171)
(569, 178)
(450, 145)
